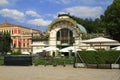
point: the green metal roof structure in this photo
(82, 28)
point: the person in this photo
(53, 54)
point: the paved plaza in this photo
(56, 73)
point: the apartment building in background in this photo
(20, 35)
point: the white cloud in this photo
(12, 13)
(63, 1)
(32, 13)
(84, 11)
(39, 22)
(7, 2)
(53, 16)
(3, 2)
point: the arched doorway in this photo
(64, 38)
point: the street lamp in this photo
(75, 53)
(77, 40)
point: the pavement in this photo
(56, 73)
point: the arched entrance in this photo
(64, 31)
(64, 38)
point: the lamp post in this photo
(77, 38)
(75, 53)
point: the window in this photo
(23, 44)
(65, 36)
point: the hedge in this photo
(52, 61)
(89, 57)
(1, 60)
(99, 57)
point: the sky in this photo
(38, 14)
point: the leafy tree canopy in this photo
(5, 42)
(92, 26)
(111, 20)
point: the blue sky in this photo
(38, 14)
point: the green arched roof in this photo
(82, 28)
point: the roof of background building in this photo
(7, 24)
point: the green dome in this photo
(82, 28)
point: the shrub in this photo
(52, 61)
(1, 60)
(99, 57)
(16, 53)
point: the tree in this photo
(5, 42)
(111, 20)
(92, 26)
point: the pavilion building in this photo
(64, 32)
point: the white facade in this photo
(37, 46)
(64, 32)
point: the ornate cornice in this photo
(59, 20)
